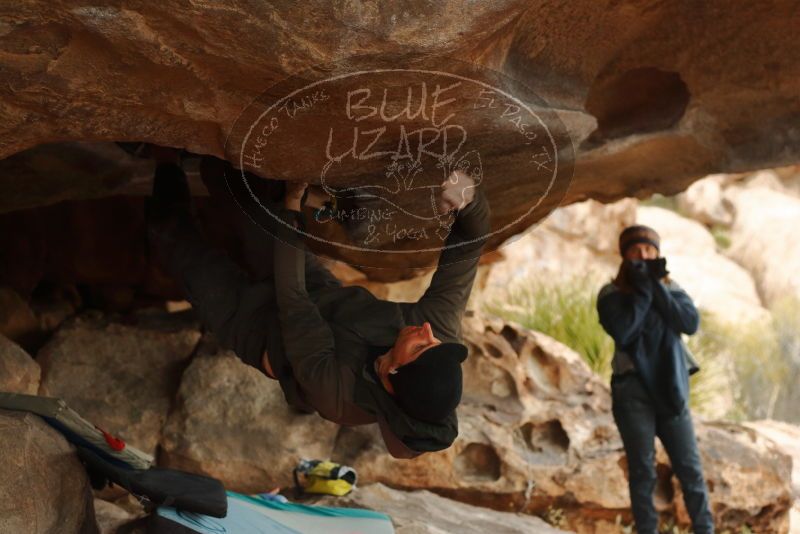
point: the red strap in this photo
(115, 443)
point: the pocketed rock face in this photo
(749, 478)
(43, 486)
(232, 422)
(120, 377)
(536, 435)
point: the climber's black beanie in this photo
(429, 388)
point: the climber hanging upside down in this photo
(340, 351)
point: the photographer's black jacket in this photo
(647, 324)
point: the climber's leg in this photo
(255, 227)
(235, 310)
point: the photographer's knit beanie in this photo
(638, 234)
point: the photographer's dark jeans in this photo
(639, 424)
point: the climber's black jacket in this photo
(317, 333)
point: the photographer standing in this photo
(645, 313)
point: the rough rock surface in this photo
(576, 242)
(110, 516)
(704, 202)
(43, 486)
(17, 321)
(233, 423)
(423, 512)
(121, 377)
(716, 283)
(787, 438)
(749, 478)
(536, 434)
(180, 75)
(762, 240)
(19, 373)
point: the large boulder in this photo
(749, 478)
(705, 202)
(577, 242)
(650, 93)
(762, 240)
(786, 438)
(44, 488)
(716, 283)
(537, 434)
(19, 373)
(122, 377)
(232, 422)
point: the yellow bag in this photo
(323, 477)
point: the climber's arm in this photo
(445, 300)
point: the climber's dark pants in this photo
(239, 309)
(639, 423)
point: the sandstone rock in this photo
(748, 477)
(232, 422)
(111, 516)
(412, 289)
(536, 434)
(704, 201)
(715, 283)
(786, 438)
(44, 488)
(423, 512)
(790, 178)
(678, 234)
(577, 242)
(762, 240)
(120, 377)
(19, 373)
(17, 321)
(597, 225)
(779, 180)
(186, 88)
(52, 310)
(409, 290)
